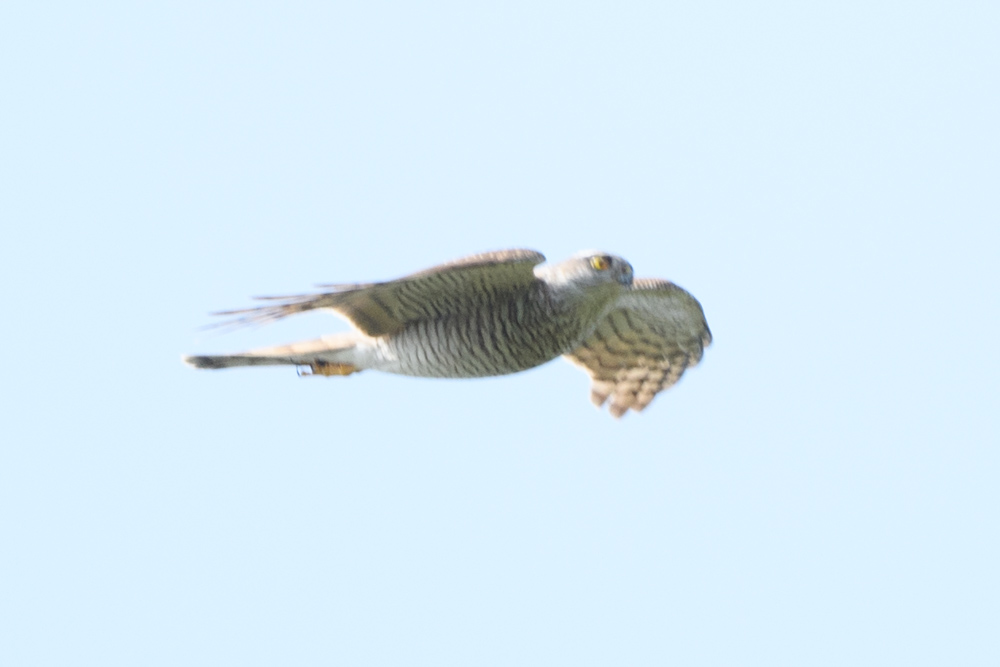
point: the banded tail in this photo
(330, 355)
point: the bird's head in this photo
(588, 271)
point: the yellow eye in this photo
(600, 262)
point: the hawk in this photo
(498, 313)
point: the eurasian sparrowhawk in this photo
(498, 313)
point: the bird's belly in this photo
(476, 347)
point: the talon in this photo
(328, 369)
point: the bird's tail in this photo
(330, 355)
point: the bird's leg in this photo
(327, 368)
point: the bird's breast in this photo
(494, 337)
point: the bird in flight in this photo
(498, 313)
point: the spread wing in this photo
(655, 332)
(384, 308)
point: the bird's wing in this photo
(379, 309)
(655, 331)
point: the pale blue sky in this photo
(822, 490)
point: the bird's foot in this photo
(328, 369)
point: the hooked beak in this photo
(625, 277)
